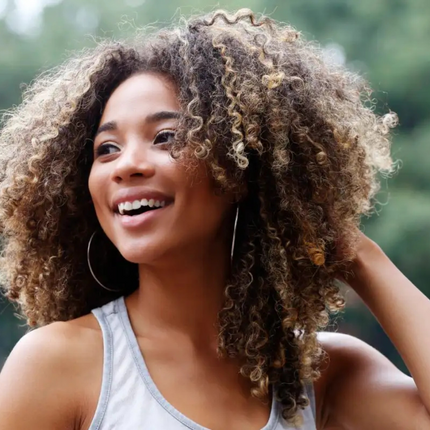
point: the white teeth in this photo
(137, 204)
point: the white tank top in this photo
(129, 399)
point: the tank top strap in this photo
(108, 346)
(310, 392)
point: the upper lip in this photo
(132, 194)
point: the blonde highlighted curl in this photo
(267, 113)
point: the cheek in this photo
(202, 193)
(92, 185)
(207, 211)
(96, 188)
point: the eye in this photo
(164, 137)
(106, 149)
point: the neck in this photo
(183, 297)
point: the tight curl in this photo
(269, 115)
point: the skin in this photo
(53, 376)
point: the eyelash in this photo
(102, 149)
(164, 133)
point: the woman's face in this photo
(148, 204)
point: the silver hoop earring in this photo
(91, 269)
(234, 234)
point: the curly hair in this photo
(268, 113)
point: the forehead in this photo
(142, 94)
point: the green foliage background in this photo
(385, 40)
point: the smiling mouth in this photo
(139, 211)
(138, 207)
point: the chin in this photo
(141, 254)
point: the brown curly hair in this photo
(266, 111)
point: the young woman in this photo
(199, 190)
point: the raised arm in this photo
(364, 390)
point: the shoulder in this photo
(345, 352)
(343, 355)
(43, 376)
(358, 383)
(341, 346)
(346, 358)
(57, 346)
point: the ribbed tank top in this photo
(129, 399)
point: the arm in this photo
(364, 390)
(36, 383)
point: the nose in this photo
(133, 162)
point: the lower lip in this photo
(136, 221)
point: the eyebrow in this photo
(162, 115)
(107, 126)
(152, 118)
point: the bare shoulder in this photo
(345, 352)
(336, 343)
(360, 386)
(342, 354)
(346, 357)
(43, 379)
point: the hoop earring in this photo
(234, 234)
(91, 269)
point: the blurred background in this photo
(384, 40)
